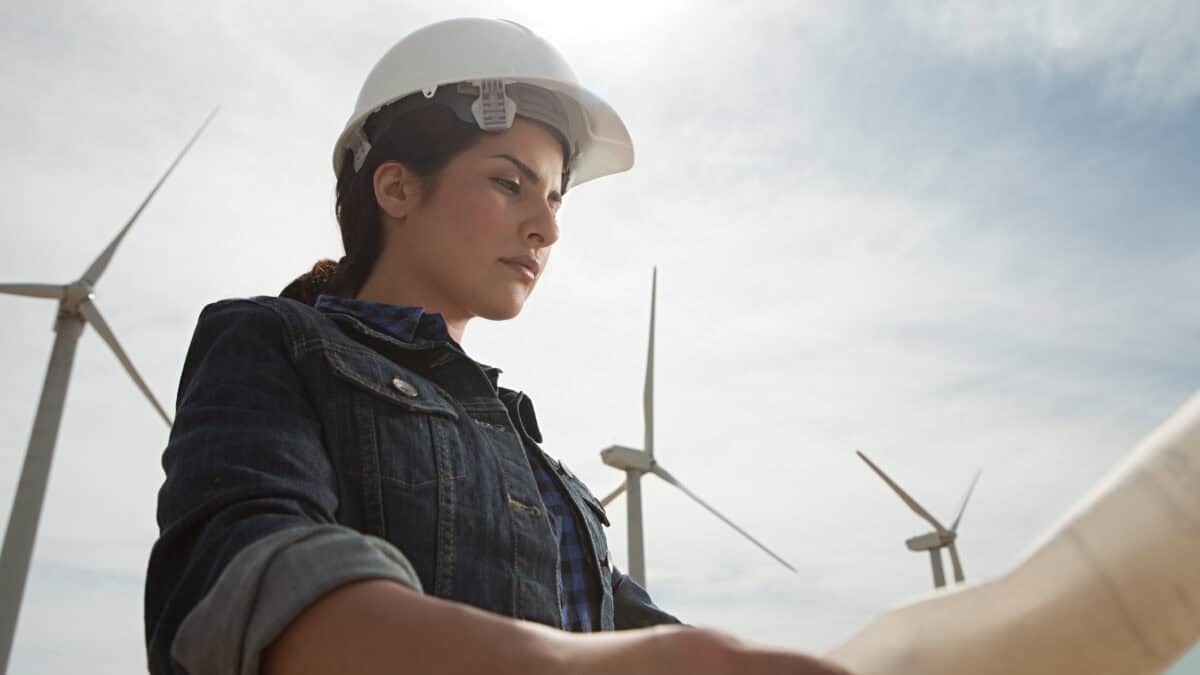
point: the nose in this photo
(541, 227)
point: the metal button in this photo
(404, 387)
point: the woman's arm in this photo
(382, 627)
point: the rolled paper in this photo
(1112, 588)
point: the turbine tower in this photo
(934, 541)
(76, 307)
(636, 463)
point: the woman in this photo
(347, 491)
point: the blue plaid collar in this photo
(401, 322)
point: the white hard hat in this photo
(498, 69)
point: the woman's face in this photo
(477, 244)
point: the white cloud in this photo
(1146, 53)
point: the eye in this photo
(511, 186)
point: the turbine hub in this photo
(75, 294)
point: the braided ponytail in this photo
(308, 286)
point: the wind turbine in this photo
(934, 541)
(76, 307)
(636, 463)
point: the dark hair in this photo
(424, 140)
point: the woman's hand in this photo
(662, 650)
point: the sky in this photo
(955, 236)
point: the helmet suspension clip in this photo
(493, 110)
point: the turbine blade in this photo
(665, 475)
(34, 290)
(648, 390)
(92, 314)
(93, 273)
(614, 494)
(912, 503)
(954, 527)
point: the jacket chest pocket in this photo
(399, 428)
(593, 513)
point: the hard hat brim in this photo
(602, 143)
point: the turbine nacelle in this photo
(624, 458)
(929, 541)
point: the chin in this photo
(500, 314)
(501, 309)
(495, 299)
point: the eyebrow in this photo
(524, 168)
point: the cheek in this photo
(483, 227)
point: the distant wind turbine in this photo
(934, 541)
(636, 463)
(76, 307)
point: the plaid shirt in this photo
(580, 591)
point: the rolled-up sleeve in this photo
(248, 537)
(272, 581)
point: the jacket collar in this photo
(423, 337)
(401, 322)
(520, 409)
(417, 339)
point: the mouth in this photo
(524, 265)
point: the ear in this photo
(397, 189)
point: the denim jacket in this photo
(311, 450)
